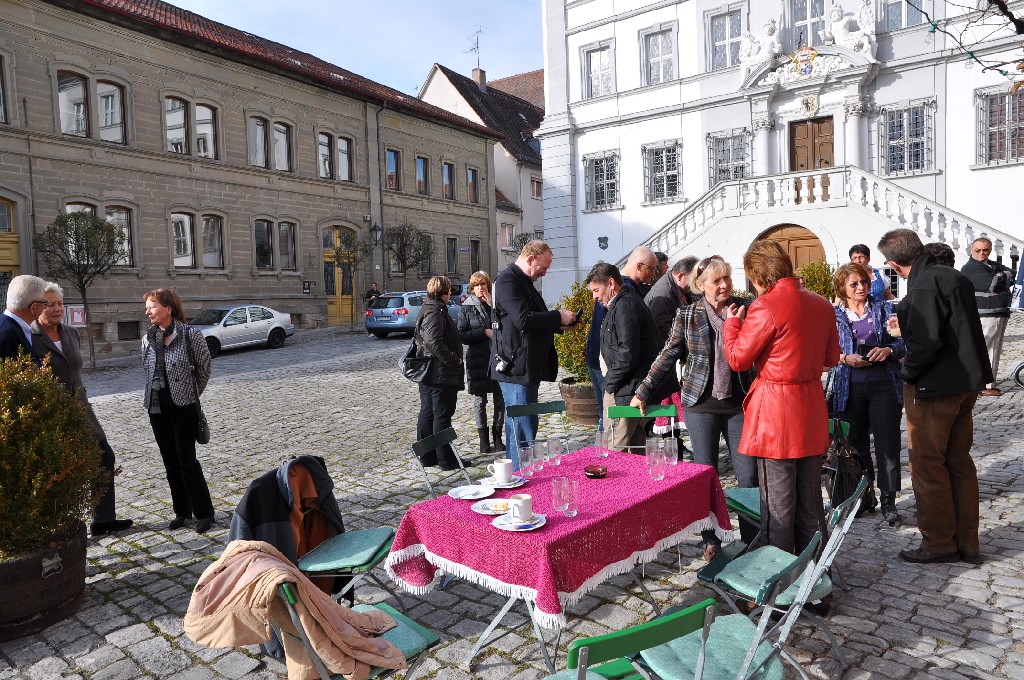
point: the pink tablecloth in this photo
(624, 520)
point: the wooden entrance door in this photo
(811, 147)
(338, 280)
(801, 243)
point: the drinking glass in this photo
(655, 459)
(671, 450)
(560, 493)
(526, 460)
(571, 491)
(556, 449)
(599, 441)
(540, 454)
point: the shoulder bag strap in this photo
(191, 359)
(497, 325)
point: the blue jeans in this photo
(524, 428)
(597, 380)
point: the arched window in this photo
(6, 217)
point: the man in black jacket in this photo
(945, 367)
(671, 293)
(523, 349)
(629, 345)
(992, 292)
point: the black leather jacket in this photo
(629, 344)
(437, 337)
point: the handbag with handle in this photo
(415, 368)
(203, 426)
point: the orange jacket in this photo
(789, 335)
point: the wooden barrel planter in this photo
(42, 588)
(581, 406)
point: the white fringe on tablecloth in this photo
(530, 594)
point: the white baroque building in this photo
(698, 126)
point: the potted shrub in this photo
(571, 345)
(50, 482)
(817, 277)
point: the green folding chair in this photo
(666, 411)
(410, 637)
(737, 572)
(542, 408)
(436, 441)
(617, 652)
(351, 554)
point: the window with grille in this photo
(663, 171)
(728, 156)
(900, 14)
(906, 138)
(726, 31)
(1002, 128)
(602, 181)
(598, 76)
(808, 19)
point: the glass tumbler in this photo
(671, 450)
(655, 459)
(571, 491)
(560, 493)
(526, 460)
(540, 454)
(599, 442)
(556, 449)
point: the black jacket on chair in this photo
(526, 330)
(939, 321)
(629, 344)
(474, 321)
(438, 337)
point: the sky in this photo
(394, 42)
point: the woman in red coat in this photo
(789, 334)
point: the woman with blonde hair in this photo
(711, 391)
(789, 335)
(476, 333)
(437, 337)
(867, 390)
(177, 364)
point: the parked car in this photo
(397, 312)
(231, 327)
(460, 291)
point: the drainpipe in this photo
(31, 190)
(380, 194)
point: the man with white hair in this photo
(24, 294)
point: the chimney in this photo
(480, 78)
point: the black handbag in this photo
(843, 469)
(202, 425)
(413, 367)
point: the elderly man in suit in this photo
(24, 301)
(50, 337)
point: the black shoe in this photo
(113, 526)
(428, 462)
(203, 525)
(922, 556)
(821, 607)
(892, 517)
(449, 466)
(177, 523)
(971, 558)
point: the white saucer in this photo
(515, 482)
(504, 524)
(486, 506)
(471, 492)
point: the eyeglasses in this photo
(863, 282)
(703, 264)
(51, 305)
(38, 302)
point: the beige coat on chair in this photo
(236, 599)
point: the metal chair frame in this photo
(435, 441)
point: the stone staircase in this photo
(790, 193)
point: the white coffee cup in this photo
(520, 507)
(502, 470)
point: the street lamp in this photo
(376, 234)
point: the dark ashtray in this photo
(595, 471)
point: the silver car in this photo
(231, 327)
(397, 312)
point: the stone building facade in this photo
(233, 164)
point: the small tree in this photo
(80, 247)
(571, 345)
(408, 245)
(351, 251)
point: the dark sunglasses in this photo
(863, 282)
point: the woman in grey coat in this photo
(476, 333)
(50, 337)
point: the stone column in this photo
(762, 124)
(856, 110)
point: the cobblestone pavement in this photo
(340, 395)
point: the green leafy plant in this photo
(571, 345)
(817, 277)
(50, 474)
(745, 294)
